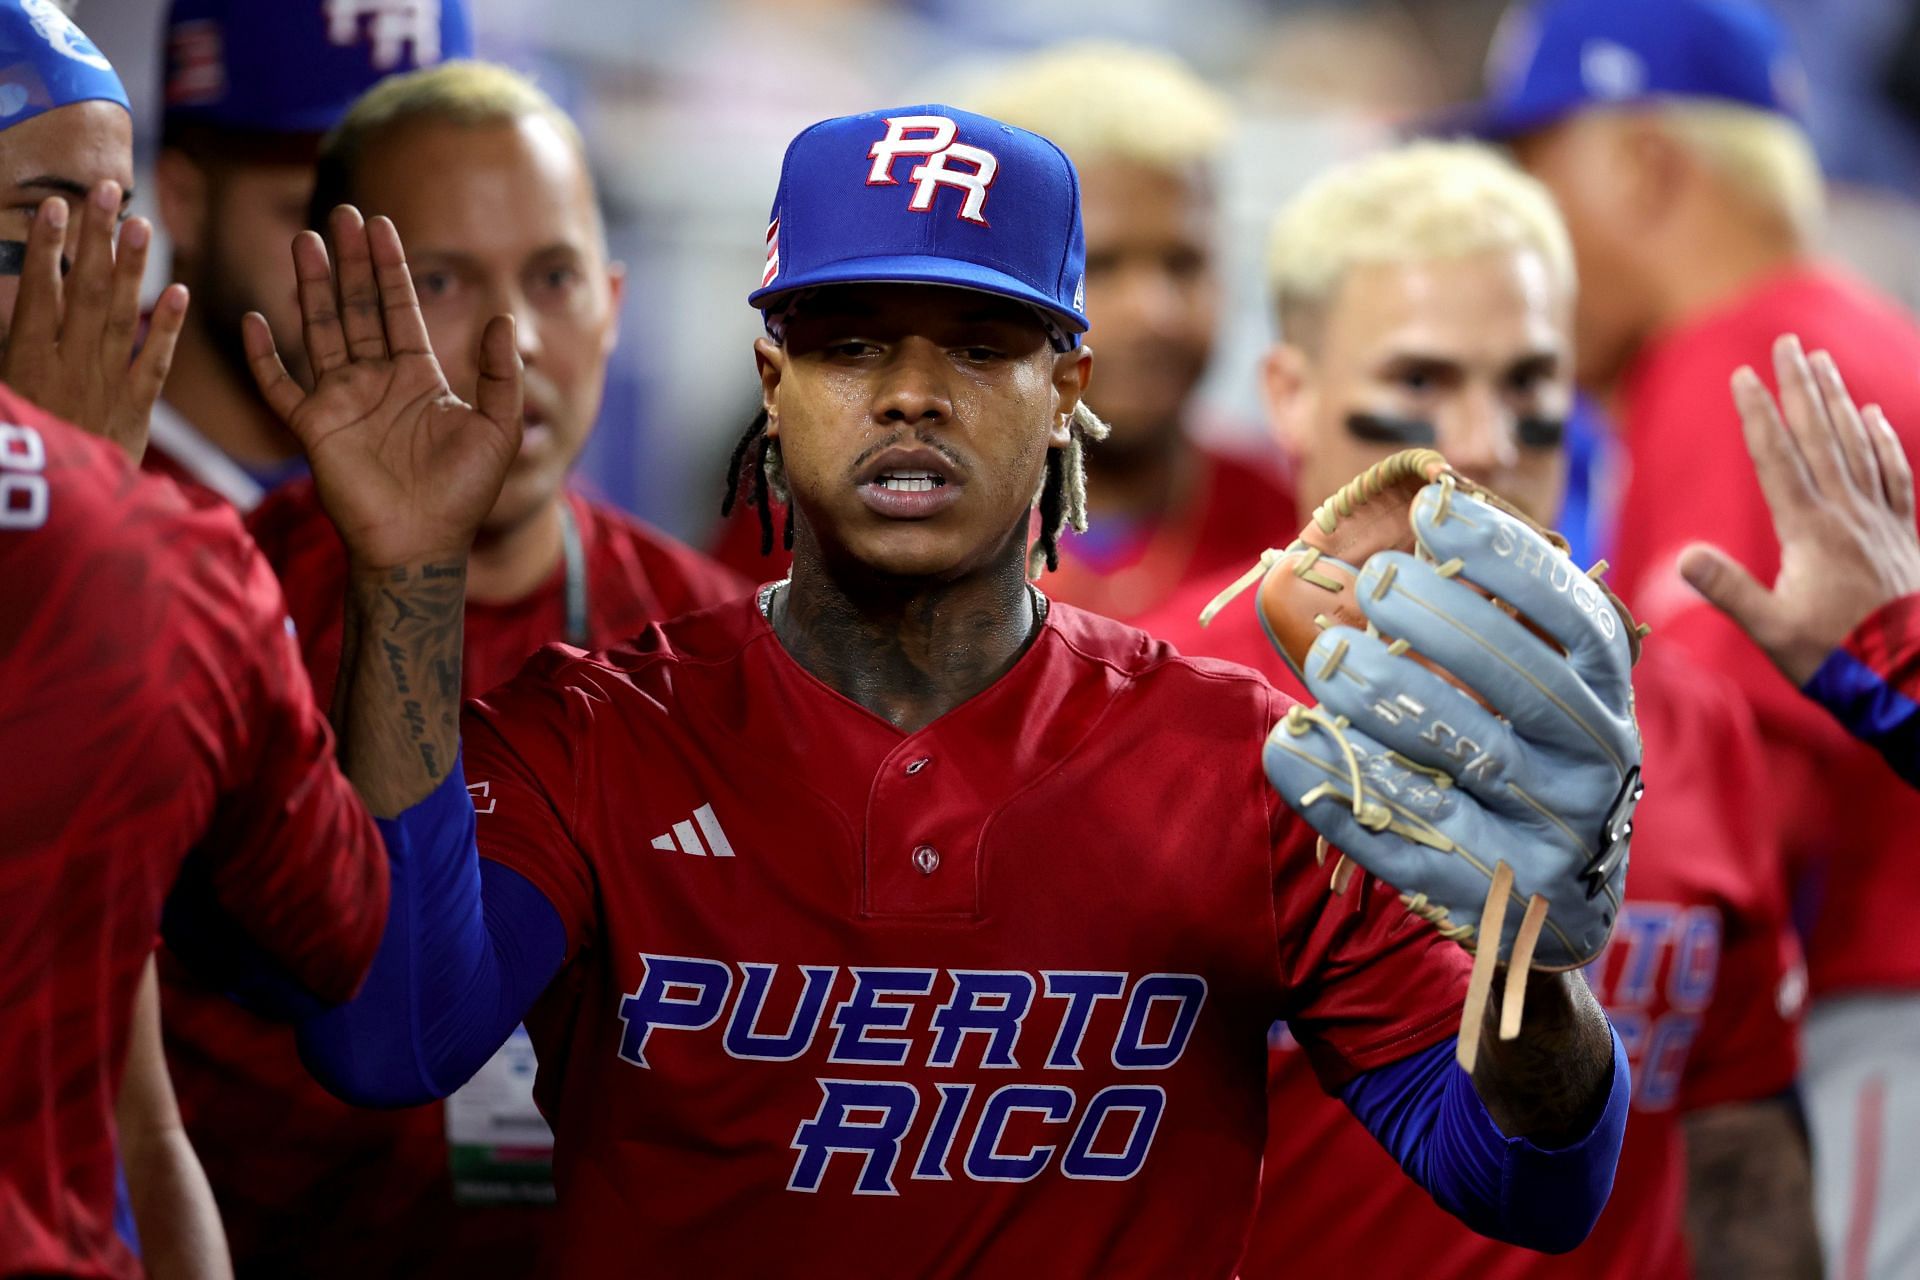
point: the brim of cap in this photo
(915, 269)
(1491, 121)
(316, 121)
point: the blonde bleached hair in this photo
(462, 92)
(1763, 155)
(1103, 100)
(1422, 202)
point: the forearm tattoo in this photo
(398, 709)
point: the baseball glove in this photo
(1474, 743)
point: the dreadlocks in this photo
(1063, 494)
(755, 475)
(762, 486)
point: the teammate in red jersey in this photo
(487, 179)
(1693, 199)
(155, 724)
(250, 89)
(69, 314)
(894, 913)
(1426, 298)
(1146, 135)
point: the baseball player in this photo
(157, 733)
(67, 344)
(1669, 135)
(1146, 136)
(70, 136)
(1839, 618)
(250, 90)
(488, 181)
(1425, 297)
(149, 736)
(894, 918)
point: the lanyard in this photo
(576, 558)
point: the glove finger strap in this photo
(1486, 955)
(1513, 1003)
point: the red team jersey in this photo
(1237, 500)
(1850, 822)
(1702, 980)
(152, 707)
(1236, 504)
(338, 1190)
(988, 998)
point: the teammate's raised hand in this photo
(1841, 493)
(405, 469)
(71, 348)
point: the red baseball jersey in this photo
(988, 998)
(1236, 503)
(340, 1190)
(1850, 820)
(1702, 979)
(152, 706)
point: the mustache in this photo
(898, 438)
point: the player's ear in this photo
(180, 190)
(616, 293)
(772, 361)
(1286, 389)
(1654, 168)
(1072, 372)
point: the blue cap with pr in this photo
(1554, 58)
(47, 62)
(295, 66)
(929, 195)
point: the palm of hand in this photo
(1850, 556)
(400, 461)
(405, 469)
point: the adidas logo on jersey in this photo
(686, 839)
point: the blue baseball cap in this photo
(929, 195)
(1552, 59)
(295, 66)
(47, 62)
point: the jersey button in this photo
(927, 858)
(918, 765)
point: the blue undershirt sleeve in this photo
(469, 946)
(1425, 1111)
(1872, 708)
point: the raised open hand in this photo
(1841, 493)
(71, 349)
(405, 469)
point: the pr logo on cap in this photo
(394, 25)
(938, 146)
(904, 196)
(57, 29)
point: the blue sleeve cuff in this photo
(1871, 709)
(469, 945)
(1426, 1112)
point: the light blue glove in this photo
(1424, 787)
